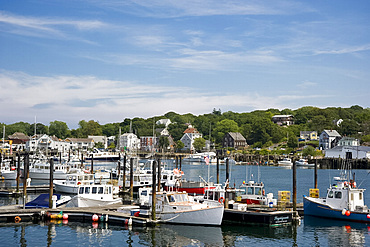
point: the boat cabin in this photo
(95, 191)
(344, 194)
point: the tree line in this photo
(257, 126)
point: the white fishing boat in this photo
(102, 155)
(41, 170)
(201, 157)
(178, 208)
(8, 172)
(73, 182)
(287, 162)
(304, 163)
(94, 195)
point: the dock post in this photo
(131, 180)
(180, 163)
(226, 204)
(154, 168)
(177, 161)
(227, 170)
(18, 170)
(315, 176)
(25, 173)
(124, 173)
(119, 164)
(296, 219)
(218, 169)
(92, 163)
(82, 160)
(159, 174)
(51, 185)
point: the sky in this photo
(110, 60)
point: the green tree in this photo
(163, 142)
(223, 127)
(99, 145)
(199, 143)
(308, 151)
(349, 127)
(89, 128)
(179, 145)
(59, 129)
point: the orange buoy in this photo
(17, 219)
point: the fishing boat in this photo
(304, 163)
(178, 208)
(201, 157)
(99, 155)
(343, 201)
(254, 193)
(9, 172)
(286, 162)
(73, 182)
(41, 170)
(94, 195)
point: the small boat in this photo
(9, 172)
(42, 201)
(99, 155)
(94, 195)
(201, 157)
(287, 162)
(254, 193)
(191, 187)
(304, 163)
(73, 182)
(178, 208)
(343, 201)
(41, 170)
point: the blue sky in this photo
(110, 60)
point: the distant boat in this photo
(304, 162)
(254, 193)
(9, 172)
(102, 155)
(73, 182)
(201, 157)
(285, 162)
(41, 170)
(343, 201)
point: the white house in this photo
(43, 142)
(80, 143)
(351, 152)
(129, 141)
(101, 139)
(348, 141)
(166, 122)
(283, 120)
(328, 139)
(190, 134)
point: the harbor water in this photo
(311, 232)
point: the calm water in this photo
(312, 231)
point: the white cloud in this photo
(74, 98)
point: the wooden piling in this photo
(315, 175)
(25, 173)
(18, 170)
(218, 170)
(132, 179)
(51, 186)
(124, 173)
(159, 175)
(92, 163)
(154, 175)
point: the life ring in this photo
(221, 200)
(17, 219)
(78, 183)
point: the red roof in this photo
(191, 130)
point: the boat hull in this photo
(64, 188)
(46, 175)
(80, 201)
(9, 175)
(205, 216)
(313, 208)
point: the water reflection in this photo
(335, 232)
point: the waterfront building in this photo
(101, 139)
(190, 134)
(80, 143)
(350, 152)
(329, 139)
(348, 141)
(234, 140)
(129, 141)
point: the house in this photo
(337, 122)
(283, 120)
(190, 134)
(19, 140)
(46, 142)
(234, 140)
(129, 141)
(350, 152)
(80, 143)
(162, 131)
(165, 122)
(329, 139)
(148, 143)
(348, 141)
(101, 139)
(308, 135)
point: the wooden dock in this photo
(33, 189)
